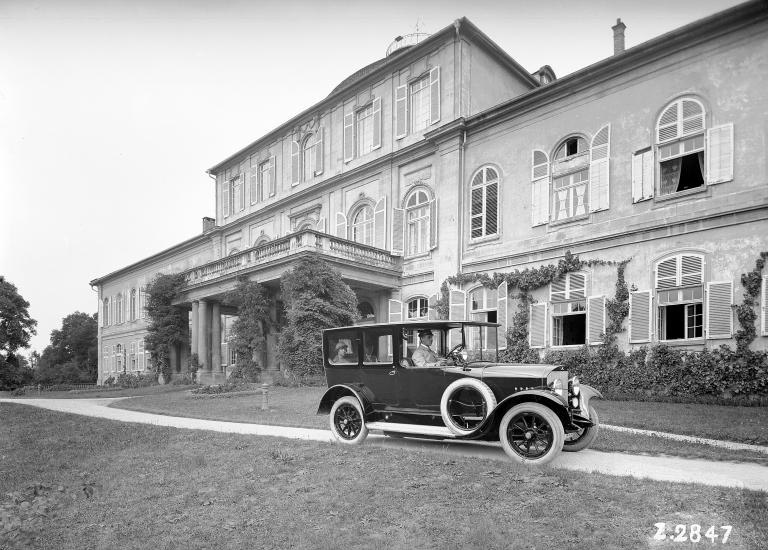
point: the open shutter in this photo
(642, 176)
(395, 311)
(457, 311)
(596, 319)
(295, 162)
(140, 353)
(501, 313)
(398, 231)
(341, 225)
(434, 95)
(225, 198)
(537, 330)
(320, 226)
(380, 223)
(764, 308)
(377, 123)
(719, 311)
(720, 154)
(432, 308)
(401, 111)
(241, 179)
(272, 176)
(319, 151)
(433, 224)
(539, 188)
(349, 136)
(640, 316)
(599, 155)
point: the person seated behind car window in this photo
(370, 354)
(424, 356)
(342, 351)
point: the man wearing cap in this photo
(424, 356)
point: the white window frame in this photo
(680, 286)
(421, 304)
(417, 228)
(364, 228)
(680, 138)
(420, 89)
(483, 183)
(569, 166)
(571, 297)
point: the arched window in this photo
(485, 203)
(105, 313)
(679, 289)
(119, 303)
(365, 309)
(680, 141)
(134, 305)
(262, 240)
(418, 308)
(570, 179)
(417, 216)
(309, 157)
(361, 230)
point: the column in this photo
(184, 350)
(216, 337)
(195, 328)
(202, 336)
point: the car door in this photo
(378, 372)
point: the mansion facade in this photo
(447, 157)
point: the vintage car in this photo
(383, 378)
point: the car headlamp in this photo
(557, 386)
(575, 389)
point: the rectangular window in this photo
(264, 180)
(342, 348)
(418, 230)
(418, 308)
(420, 104)
(377, 347)
(365, 130)
(681, 313)
(570, 196)
(569, 323)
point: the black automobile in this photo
(442, 379)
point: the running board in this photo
(414, 429)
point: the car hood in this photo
(506, 370)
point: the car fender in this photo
(587, 393)
(545, 397)
(333, 393)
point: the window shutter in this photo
(341, 225)
(557, 289)
(112, 310)
(596, 319)
(668, 122)
(434, 94)
(253, 181)
(537, 333)
(539, 188)
(600, 152)
(395, 311)
(319, 151)
(225, 198)
(691, 270)
(642, 176)
(457, 311)
(272, 176)
(140, 352)
(377, 123)
(720, 154)
(349, 136)
(401, 111)
(398, 231)
(432, 308)
(666, 273)
(241, 179)
(295, 162)
(640, 316)
(320, 226)
(501, 313)
(433, 224)
(764, 307)
(577, 286)
(719, 311)
(380, 223)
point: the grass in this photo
(105, 484)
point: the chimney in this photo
(618, 37)
(208, 224)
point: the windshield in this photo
(480, 343)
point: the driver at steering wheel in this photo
(424, 356)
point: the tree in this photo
(16, 328)
(168, 326)
(315, 298)
(72, 355)
(249, 331)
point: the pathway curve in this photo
(725, 474)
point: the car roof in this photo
(418, 325)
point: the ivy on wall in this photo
(745, 312)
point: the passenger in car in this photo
(342, 351)
(424, 356)
(370, 353)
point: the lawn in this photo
(102, 392)
(105, 484)
(297, 407)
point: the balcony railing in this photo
(304, 241)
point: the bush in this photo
(127, 380)
(219, 388)
(186, 379)
(109, 381)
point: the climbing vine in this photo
(745, 312)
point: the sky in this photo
(111, 111)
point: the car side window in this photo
(377, 347)
(342, 348)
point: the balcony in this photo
(357, 262)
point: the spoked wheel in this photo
(582, 439)
(531, 433)
(466, 404)
(347, 421)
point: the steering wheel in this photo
(454, 353)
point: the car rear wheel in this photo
(531, 433)
(347, 421)
(466, 404)
(582, 439)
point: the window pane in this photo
(342, 348)
(420, 104)
(377, 347)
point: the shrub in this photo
(128, 380)
(186, 379)
(109, 381)
(218, 388)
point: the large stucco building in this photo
(446, 156)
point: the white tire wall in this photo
(582, 440)
(465, 383)
(344, 403)
(549, 416)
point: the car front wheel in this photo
(582, 439)
(531, 434)
(347, 421)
